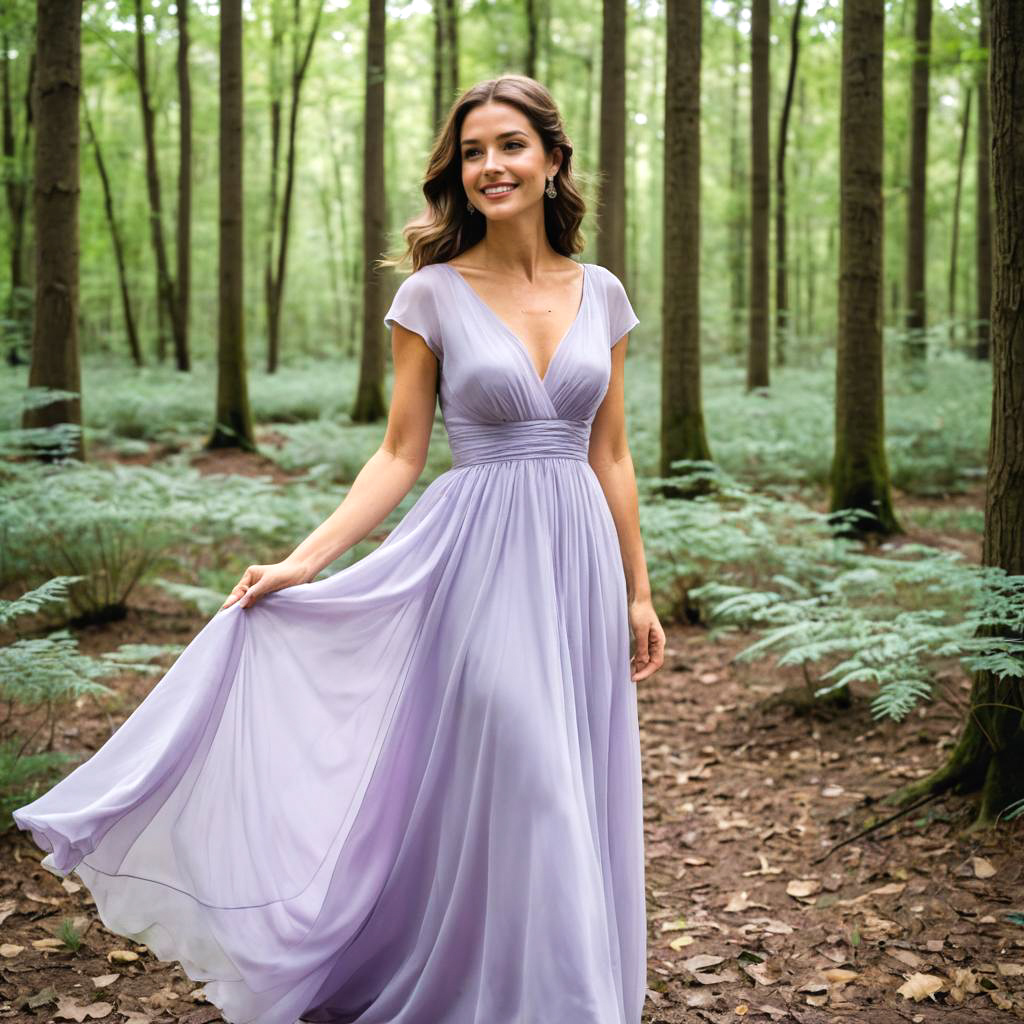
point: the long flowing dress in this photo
(408, 793)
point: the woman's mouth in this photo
(499, 192)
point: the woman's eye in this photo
(470, 152)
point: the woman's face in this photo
(499, 145)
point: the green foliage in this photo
(753, 560)
(41, 678)
(116, 526)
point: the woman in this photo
(410, 793)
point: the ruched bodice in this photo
(475, 443)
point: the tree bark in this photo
(989, 755)
(916, 254)
(369, 404)
(983, 197)
(611, 238)
(955, 242)
(682, 419)
(134, 346)
(860, 475)
(737, 197)
(233, 427)
(16, 181)
(278, 268)
(165, 284)
(760, 173)
(55, 358)
(184, 226)
(783, 314)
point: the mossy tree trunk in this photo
(860, 475)
(989, 755)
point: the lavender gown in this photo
(409, 793)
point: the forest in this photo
(817, 210)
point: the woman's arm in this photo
(610, 458)
(386, 477)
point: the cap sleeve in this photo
(621, 318)
(415, 308)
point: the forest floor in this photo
(754, 911)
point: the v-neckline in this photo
(515, 337)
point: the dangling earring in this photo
(470, 206)
(550, 190)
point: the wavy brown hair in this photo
(446, 228)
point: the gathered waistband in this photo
(473, 443)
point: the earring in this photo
(550, 190)
(470, 207)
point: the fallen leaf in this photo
(47, 943)
(70, 886)
(68, 1009)
(104, 980)
(7, 907)
(122, 956)
(9, 949)
(982, 868)
(918, 986)
(802, 888)
(161, 999)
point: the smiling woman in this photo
(412, 791)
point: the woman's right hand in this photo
(258, 580)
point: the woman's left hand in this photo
(649, 637)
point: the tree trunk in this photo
(737, 198)
(917, 295)
(760, 173)
(682, 420)
(989, 755)
(531, 16)
(860, 475)
(233, 428)
(55, 359)
(983, 213)
(134, 347)
(278, 268)
(19, 301)
(165, 285)
(955, 242)
(611, 237)
(369, 405)
(184, 226)
(783, 314)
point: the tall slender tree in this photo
(989, 754)
(165, 282)
(233, 428)
(183, 243)
(369, 402)
(760, 200)
(58, 84)
(611, 237)
(134, 345)
(277, 263)
(954, 246)
(983, 195)
(783, 313)
(860, 475)
(16, 191)
(682, 420)
(916, 253)
(737, 196)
